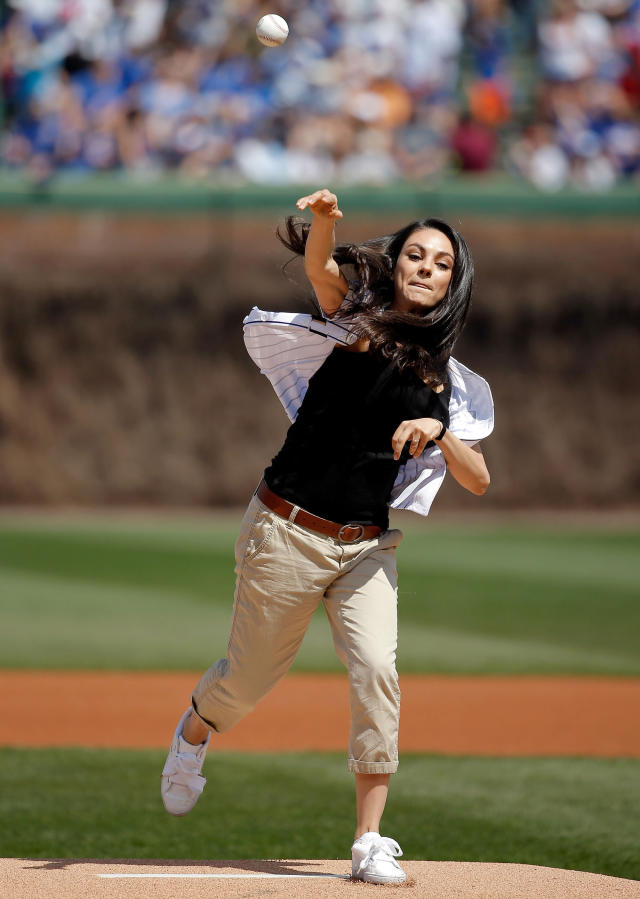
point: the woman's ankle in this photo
(193, 731)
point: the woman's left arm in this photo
(466, 463)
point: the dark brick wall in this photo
(123, 377)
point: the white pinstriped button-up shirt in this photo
(290, 347)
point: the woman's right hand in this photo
(322, 203)
(328, 282)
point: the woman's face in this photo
(423, 271)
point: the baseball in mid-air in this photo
(272, 30)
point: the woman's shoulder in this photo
(359, 345)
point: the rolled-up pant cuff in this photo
(358, 767)
(202, 720)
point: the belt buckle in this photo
(355, 539)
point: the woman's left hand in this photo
(466, 463)
(417, 432)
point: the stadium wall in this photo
(123, 378)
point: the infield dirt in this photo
(497, 716)
(298, 879)
(502, 716)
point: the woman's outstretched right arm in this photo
(328, 282)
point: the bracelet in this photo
(442, 432)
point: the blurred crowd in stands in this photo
(363, 91)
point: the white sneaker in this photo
(181, 782)
(372, 859)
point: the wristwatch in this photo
(443, 431)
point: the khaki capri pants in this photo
(283, 571)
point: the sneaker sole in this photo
(177, 814)
(382, 880)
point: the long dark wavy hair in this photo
(420, 341)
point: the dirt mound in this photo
(108, 879)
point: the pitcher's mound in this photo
(72, 878)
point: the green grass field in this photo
(106, 804)
(494, 598)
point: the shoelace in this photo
(386, 846)
(184, 769)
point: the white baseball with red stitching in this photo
(272, 30)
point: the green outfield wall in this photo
(485, 195)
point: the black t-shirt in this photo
(337, 461)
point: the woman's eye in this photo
(443, 266)
(414, 257)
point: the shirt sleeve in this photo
(288, 348)
(471, 419)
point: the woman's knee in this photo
(222, 698)
(375, 673)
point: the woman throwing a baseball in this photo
(380, 411)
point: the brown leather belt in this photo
(347, 533)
